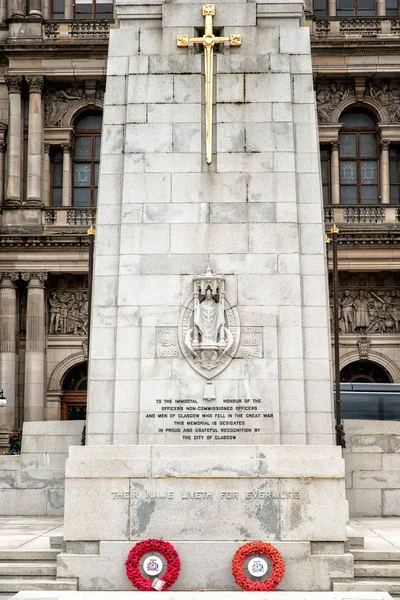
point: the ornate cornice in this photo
(44, 242)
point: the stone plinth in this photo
(207, 501)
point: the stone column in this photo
(8, 356)
(69, 9)
(13, 193)
(381, 8)
(17, 9)
(35, 134)
(332, 8)
(35, 9)
(2, 149)
(385, 174)
(35, 347)
(3, 10)
(335, 174)
(46, 176)
(66, 185)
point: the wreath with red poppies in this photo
(134, 573)
(244, 553)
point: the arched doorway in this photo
(364, 371)
(74, 386)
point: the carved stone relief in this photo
(329, 95)
(68, 312)
(209, 328)
(368, 312)
(58, 100)
(388, 95)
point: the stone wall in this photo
(372, 462)
(33, 483)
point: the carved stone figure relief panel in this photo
(68, 312)
(368, 311)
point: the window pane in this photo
(348, 172)
(366, 4)
(97, 143)
(369, 194)
(357, 119)
(393, 169)
(348, 145)
(391, 4)
(345, 13)
(348, 194)
(81, 197)
(95, 196)
(96, 175)
(57, 174)
(58, 155)
(394, 194)
(365, 13)
(325, 193)
(57, 197)
(58, 6)
(82, 148)
(369, 172)
(82, 176)
(345, 4)
(391, 12)
(89, 122)
(103, 9)
(368, 145)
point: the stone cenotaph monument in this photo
(210, 413)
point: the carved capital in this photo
(66, 148)
(335, 146)
(359, 88)
(385, 145)
(35, 84)
(40, 275)
(2, 147)
(8, 275)
(46, 148)
(14, 83)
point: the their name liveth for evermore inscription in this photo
(205, 495)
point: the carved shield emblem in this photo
(209, 328)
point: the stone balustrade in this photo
(69, 217)
(354, 26)
(361, 215)
(76, 30)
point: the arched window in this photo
(359, 162)
(364, 371)
(74, 386)
(86, 159)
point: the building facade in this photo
(52, 81)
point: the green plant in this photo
(15, 441)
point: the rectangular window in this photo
(355, 8)
(320, 8)
(325, 173)
(56, 177)
(57, 10)
(391, 8)
(394, 174)
(93, 9)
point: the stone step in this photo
(356, 541)
(377, 569)
(19, 583)
(36, 568)
(48, 554)
(56, 541)
(364, 555)
(368, 585)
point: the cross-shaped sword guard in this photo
(208, 41)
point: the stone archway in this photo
(74, 393)
(380, 359)
(364, 371)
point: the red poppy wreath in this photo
(253, 552)
(136, 571)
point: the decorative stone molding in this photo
(57, 376)
(368, 311)
(359, 26)
(35, 84)
(51, 31)
(90, 29)
(9, 275)
(40, 275)
(14, 83)
(364, 345)
(380, 359)
(387, 94)
(68, 312)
